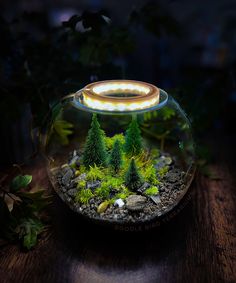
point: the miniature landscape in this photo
(117, 179)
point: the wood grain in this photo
(198, 245)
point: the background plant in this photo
(21, 211)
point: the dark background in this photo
(184, 47)
(51, 48)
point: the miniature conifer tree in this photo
(95, 149)
(116, 158)
(133, 179)
(133, 140)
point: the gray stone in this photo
(156, 199)
(143, 187)
(135, 202)
(69, 199)
(64, 168)
(159, 165)
(93, 185)
(162, 162)
(75, 161)
(67, 176)
(172, 177)
(72, 192)
(80, 178)
(168, 160)
(162, 189)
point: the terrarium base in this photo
(137, 208)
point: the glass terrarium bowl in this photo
(120, 152)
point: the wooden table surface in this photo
(198, 245)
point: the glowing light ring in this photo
(95, 95)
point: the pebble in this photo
(143, 187)
(163, 161)
(67, 176)
(102, 207)
(74, 161)
(172, 177)
(80, 178)
(72, 192)
(93, 185)
(155, 199)
(69, 199)
(135, 202)
(119, 202)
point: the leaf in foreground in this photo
(29, 229)
(20, 181)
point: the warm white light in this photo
(95, 96)
(110, 87)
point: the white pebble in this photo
(119, 202)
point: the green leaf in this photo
(20, 181)
(35, 200)
(63, 129)
(56, 111)
(29, 229)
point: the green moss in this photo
(103, 191)
(152, 191)
(109, 141)
(83, 196)
(95, 173)
(82, 169)
(155, 153)
(142, 159)
(107, 185)
(114, 182)
(162, 171)
(124, 193)
(81, 184)
(149, 175)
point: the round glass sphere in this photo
(120, 152)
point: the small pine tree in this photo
(95, 149)
(116, 158)
(133, 140)
(133, 179)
